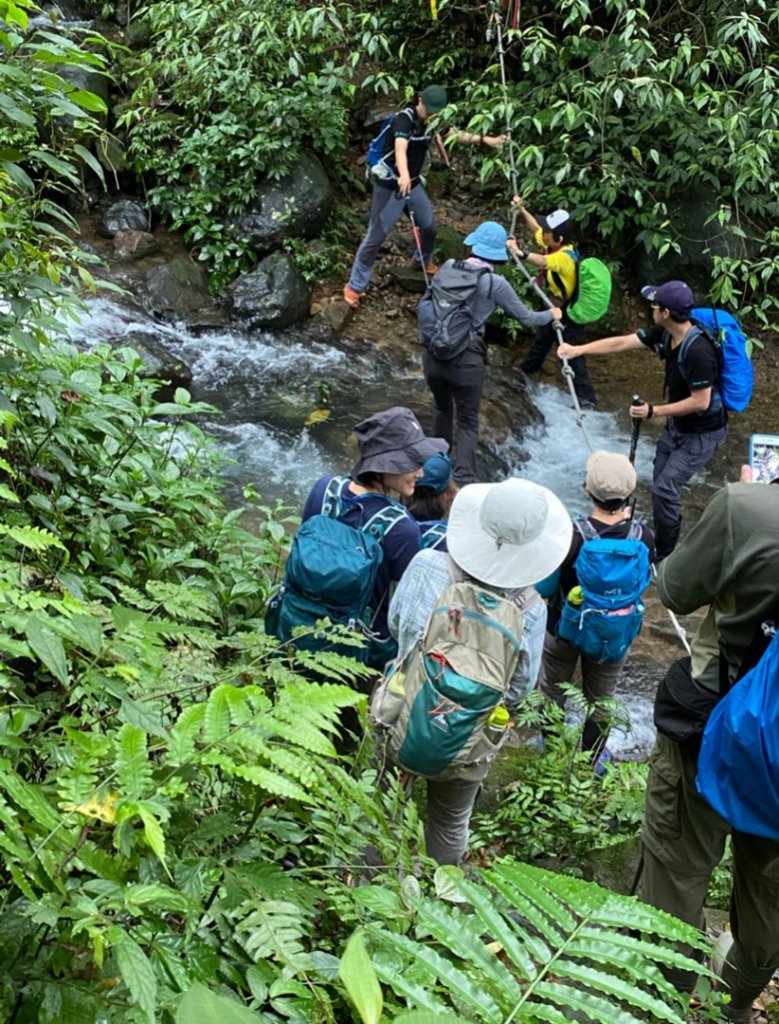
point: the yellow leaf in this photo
(95, 807)
(317, 416)
(495, 947)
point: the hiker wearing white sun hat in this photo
(506, 536)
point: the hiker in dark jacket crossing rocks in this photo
(696, 422)
(558, 272)
(730, 562)
(397, 186)
(457, 383)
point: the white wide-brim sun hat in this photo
(510, 534)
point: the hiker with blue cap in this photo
(432, 499)
(696, 419)
(397, 185)
(452, 315)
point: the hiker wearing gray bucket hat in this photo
(503, 536)
(393, 448)
(397, 185)
(452, 315)
(557, 266)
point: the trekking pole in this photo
(557, 327)
(635, 430)
(418, 239)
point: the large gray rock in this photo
(295, 207)
(177, 290)
(134, 245)
(123, 215)
(273, 295)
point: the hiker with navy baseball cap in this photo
(397, 185)
(558, 273)
(696, 419)
(452, 314)
(433, 495)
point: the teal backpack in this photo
(331, 574)
(613, 573)
(434, 704)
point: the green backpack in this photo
(593, 292)
(434, 703)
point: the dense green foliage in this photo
(179, 840)
(615, 109)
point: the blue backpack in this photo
(613, 573)
(331, 574)
(433, 534)
(733, 350)
(376, 146)
(738, 766)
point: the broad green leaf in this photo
(89, 101)
(137, 974)
(49, 649)
(360, 980)
(201, 1006)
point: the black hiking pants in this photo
(456, 385)
(573, 334)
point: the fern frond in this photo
(273, 929)
(184, 734)
(133, 771)
(35, 538)
(182, 600)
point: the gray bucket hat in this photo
(392, 441)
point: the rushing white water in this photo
(264, 385)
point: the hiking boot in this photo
(351, 297)
(430, 268)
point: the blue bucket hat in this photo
(437, 473)
(489, 241)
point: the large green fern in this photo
(522, 944)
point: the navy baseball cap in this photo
(437, 473)
(675, 296)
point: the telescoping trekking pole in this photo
(635, 430)
(418, 239)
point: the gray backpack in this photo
(446, 310)
(436, 700)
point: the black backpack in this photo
(445, 311)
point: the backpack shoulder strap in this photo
(381, 522)
(585, 529)
(332, 499)
(636, 528)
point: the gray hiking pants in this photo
(678, 457)
(387, 205)
(449, 809)
(683, 840)
(558, 666)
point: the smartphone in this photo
(764, 457)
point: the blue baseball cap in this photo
(437, 473)
(489, 241)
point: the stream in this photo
(265, 386)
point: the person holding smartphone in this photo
(696, 419)
(730, 562)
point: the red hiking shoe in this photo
(351, 297)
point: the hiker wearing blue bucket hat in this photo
(397, 185)
(452, 314)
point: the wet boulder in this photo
(273, 295)
(124, 215)
(134, 245)
(177, 290)
(297, 206)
